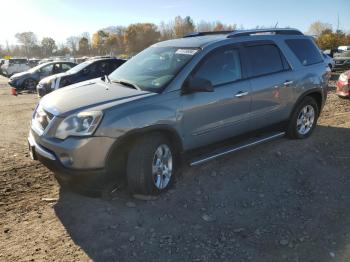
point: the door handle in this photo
(241, 93)
(287, 83)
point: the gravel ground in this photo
(286, 200)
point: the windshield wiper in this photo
(127, 84)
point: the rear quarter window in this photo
(305, 50)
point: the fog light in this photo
(66, 159)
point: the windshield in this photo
(38, 67)
(153, 68)
(79, 67)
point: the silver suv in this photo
(176, 97)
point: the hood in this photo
(87, 95)
(50, 78)
(20, 75)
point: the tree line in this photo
(326, 37)
(129, 40)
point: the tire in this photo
(29, 84)
(304, 115)
(146, 172)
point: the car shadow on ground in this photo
(287, 200)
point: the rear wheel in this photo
(151, 165)
(304, 119)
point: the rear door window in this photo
(305, 51)
(265, 59)
(222, 66)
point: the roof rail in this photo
(194, 34)
(276, 31)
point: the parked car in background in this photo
(80, 60)
(328, 60)
(342, 62)
(33, 62)
(178, 96)
(28, 80)
(85, 71)
(343, 48)
(46, 60)
(343, 85)
(14, 65)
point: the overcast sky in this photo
(60, 19)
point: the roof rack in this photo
(276, 31)
(194, 34)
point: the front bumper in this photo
(74, 159)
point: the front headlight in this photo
(81, 124)
(45, 82)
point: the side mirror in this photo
(85, 71)
(194, 84)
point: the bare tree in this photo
(183, 26)
(28, 40)
(48, 46)
(72, 43)
(318, 27)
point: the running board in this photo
(237, 147)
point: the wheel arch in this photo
(28, 78)
(315, 94)
(119, 150)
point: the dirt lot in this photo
(282, 201)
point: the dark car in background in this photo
(85, 71)
(342, 62)
(29, 79)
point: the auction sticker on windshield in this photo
(186, 51)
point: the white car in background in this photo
(343, 48)
(14, 65)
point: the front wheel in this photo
(151, 165)
(303, 119)
(29, 84)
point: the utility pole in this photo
(337, 21)
(7, 47)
